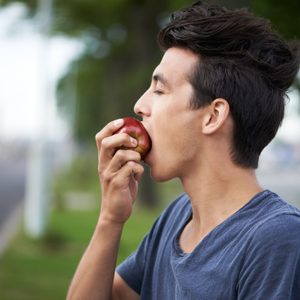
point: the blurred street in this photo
(12, 188)
(279, 169)
(284, 182)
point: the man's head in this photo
(242, 60)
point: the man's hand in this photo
(119, 172)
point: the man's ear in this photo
(215, 116)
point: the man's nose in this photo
(141, 107)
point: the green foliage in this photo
(88, 109)
(108, 85)
(42, 269)
(117, 64)
(79, 177)
(284, 15)
(121, 51)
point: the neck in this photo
(217, 193)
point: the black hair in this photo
(241, 59)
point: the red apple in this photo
(135, 128)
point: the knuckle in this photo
(138, 156)
(125, 138)
(100, 171)
(131, 164)
(104, 175)
(104, 143)
(120, 155)
(133, 155)
(99, 137)
(139, 170)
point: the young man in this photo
(215, 101)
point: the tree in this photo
(121, 52)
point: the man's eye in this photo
(158, 92)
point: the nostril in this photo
(139, 113)
(142, 106)
(137, 109)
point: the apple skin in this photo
(135, 129)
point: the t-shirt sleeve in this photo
(271, 269)
(136, 268)
(132, 268)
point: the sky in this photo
(30, 67)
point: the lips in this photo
(146, 158)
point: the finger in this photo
(121, 157)
(111, 144)
(139, 173)
(108, 130)
(130, 169)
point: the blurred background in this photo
(66, 69)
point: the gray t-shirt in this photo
(254, 254)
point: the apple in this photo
(135, 129)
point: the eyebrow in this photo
(159, 77)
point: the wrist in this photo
(106, 221)
(108, 230)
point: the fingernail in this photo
(118, 122)
(133, 141)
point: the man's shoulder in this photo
(268, 205)
(282, 224)
(278, 221)
(276, 210)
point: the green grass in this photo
(42, 269)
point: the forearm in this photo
(94, 275)
(119, 172)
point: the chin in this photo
(160, 170)
(160, 175)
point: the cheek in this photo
(174, 127)
(174, 142)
